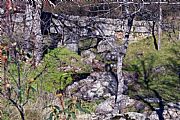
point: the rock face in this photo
(88, 26)
(93, 27)
(97, 85)
(73, 28)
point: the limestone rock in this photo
(2, 11)
(135, 116)
(89, 55)
(97, 85)
(106, 45)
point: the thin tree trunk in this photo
(159, 28)
(122, 54)
(154, 36)
(119, 74)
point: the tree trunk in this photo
(119, 74)
(122, 53)
(159, 28)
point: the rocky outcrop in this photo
(88, 26)
(73, 28)
(97, 85)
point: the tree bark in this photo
(122, 53)
(159, 28)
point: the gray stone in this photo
(72, 47)
(110, 107)
(89, 55)
(93, 87)
(2, 11)
(153, 116)
(106, 45)
(17, 18)
(105, 107)
(105, 83)
(139, 106)
(135, 116)
(174, 105)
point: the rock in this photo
(135, 116)
(165, 112)
(174, 105)
(178, 112)
(106, 107)
(109, 82)
(106, 45)
(83, 117)
(89, 55)
(105, 110)
(105, 83)
(98, 85)
(17, 18)
(90, 95)
(139, 106)
(111, 56)
(2, 11)
(153, 116)
(110, 107)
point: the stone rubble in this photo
(97, 85)
(102, 85)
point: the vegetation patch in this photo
(157, 71)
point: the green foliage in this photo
(157, 70)
(91, 106)
(53, 81)
(54, 77)
(46, 77)
(61, 57)
(70, 111)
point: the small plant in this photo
(69, 111)
(15, 87)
